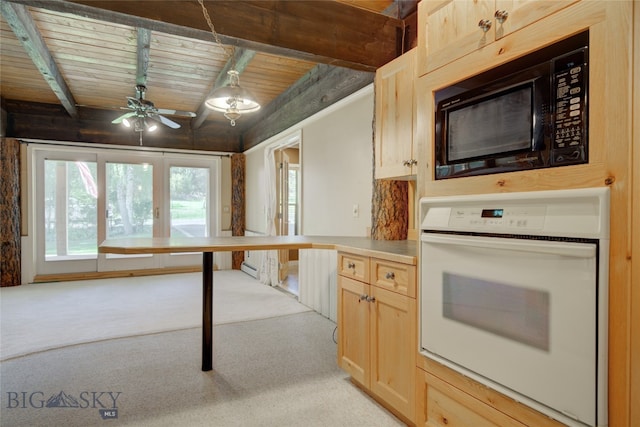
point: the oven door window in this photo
(513, 312)
(519, 313)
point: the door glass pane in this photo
(70, 210)
(293, 202)
(129, 202)
(189, 196)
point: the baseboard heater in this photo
(249, 269)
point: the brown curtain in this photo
(237, 204)
(10, 212)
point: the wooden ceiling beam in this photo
(30, 120)
(21, 22)
(241, 58)
(319, 88)
(326, 32)
(143, 47)
(401, 9)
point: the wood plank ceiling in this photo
(67, 67)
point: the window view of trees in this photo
(129, 200)
(71, 204)
(189, 190)
(70, 208)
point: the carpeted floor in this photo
(128, 352)
(274, 372)
(43, 316)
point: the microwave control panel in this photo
(570, 127)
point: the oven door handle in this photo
(576, 250)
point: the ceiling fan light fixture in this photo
(151, 127)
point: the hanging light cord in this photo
(214, 32)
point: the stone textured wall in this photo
(10, 249)
(237, 204)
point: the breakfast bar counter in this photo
(392, 250)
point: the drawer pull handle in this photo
(485, 25)
(390, 275)
(351, 265)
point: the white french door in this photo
(189, 204)
(132, 196)
(66, 214)
(83, 197)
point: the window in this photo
(84, 196)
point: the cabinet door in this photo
(394, 117)
(442, 405)
(353, 329)
(450, 31)
(524, 12)
(394, 349)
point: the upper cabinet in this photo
(452, 29)
(394, 148)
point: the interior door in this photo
(282, 218)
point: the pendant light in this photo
(230, 99)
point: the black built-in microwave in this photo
(527, 114)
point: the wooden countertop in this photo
(394, 250)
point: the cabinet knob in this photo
(364, 297)
(371, 299)
(485, 25)
(390, 275)
(501, 16)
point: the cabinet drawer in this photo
(394, 276)
(353, 266)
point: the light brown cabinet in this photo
(446, 398)
(452, 29)
(611, 26)
(377, 338)
(395, 155)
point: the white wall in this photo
(337, 162)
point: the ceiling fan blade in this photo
(165, 121)
(176, 112)
(124, 116)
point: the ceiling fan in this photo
(142, 109)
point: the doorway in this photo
(288, 214)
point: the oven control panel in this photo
(490, 218)
(495, 218)
(582, 213)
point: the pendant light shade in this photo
(232, 100)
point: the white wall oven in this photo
(513, 293)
